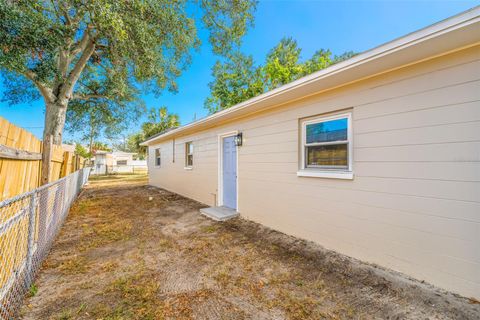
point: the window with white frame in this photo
(158, 158)
(189, 154)
(327, 144)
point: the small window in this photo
(158, 158)
(121, 162)
(188, 154)
(327, 144)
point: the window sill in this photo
(346, 175)
(188, 168)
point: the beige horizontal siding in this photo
(414, 202)
(414, 152)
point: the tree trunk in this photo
(52, 134)
(91, 136)
(55, 121)
(46, 159)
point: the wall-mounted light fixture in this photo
(238, 139)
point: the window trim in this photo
(159, 157)
(187, 166)
(324, 172)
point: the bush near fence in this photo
(20, 161)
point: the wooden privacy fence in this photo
(20, 161)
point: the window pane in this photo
(157, 152)
(334, 130)
(190, 160)
(329, 155)
(189, 148)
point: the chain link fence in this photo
(119, 169)
(28, 225)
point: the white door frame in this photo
(220, 167)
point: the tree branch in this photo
(66, 90)
(44, 90)
(88, 96)
(64, 10)
(82, 44)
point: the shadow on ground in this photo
(123, 256)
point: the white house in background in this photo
(376, 157)
(116, 162)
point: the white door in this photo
(229, 166)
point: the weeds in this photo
(76, 265)
(137, 295)
(109, 266)
(104, 233)
(32, 291)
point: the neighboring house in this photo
(376, 157)
(116, 162)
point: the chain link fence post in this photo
(31, 239)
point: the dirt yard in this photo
(121, 255)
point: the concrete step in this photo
(219, 213)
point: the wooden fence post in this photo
(65, 169)
(46, 158)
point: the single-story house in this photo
(105, 162)
(376, 157)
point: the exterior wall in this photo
(414, 203)
(127, 158)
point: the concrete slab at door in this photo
(229, 167)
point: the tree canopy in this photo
(97, 118)
(72, 50)
(159, 120)
(238, 79)
(235, 81)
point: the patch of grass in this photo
(118, 230)
(137, 297)
(71, 313)
(165, 243)
(82, 208)
(65, 315)
(297, 307)
(210, 229)
(109, 266)
(33, 290)
(223, 277)
(76, 265)
(101, 234)
(180, 305)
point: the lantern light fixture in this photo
(238, 139)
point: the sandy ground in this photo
(123, 256)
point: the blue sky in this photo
(336, 25)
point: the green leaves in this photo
(99, 117)
(159, 121)
(227, 21)
(77, 51)
(282, 64)
(29, 38)
(237, 79)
